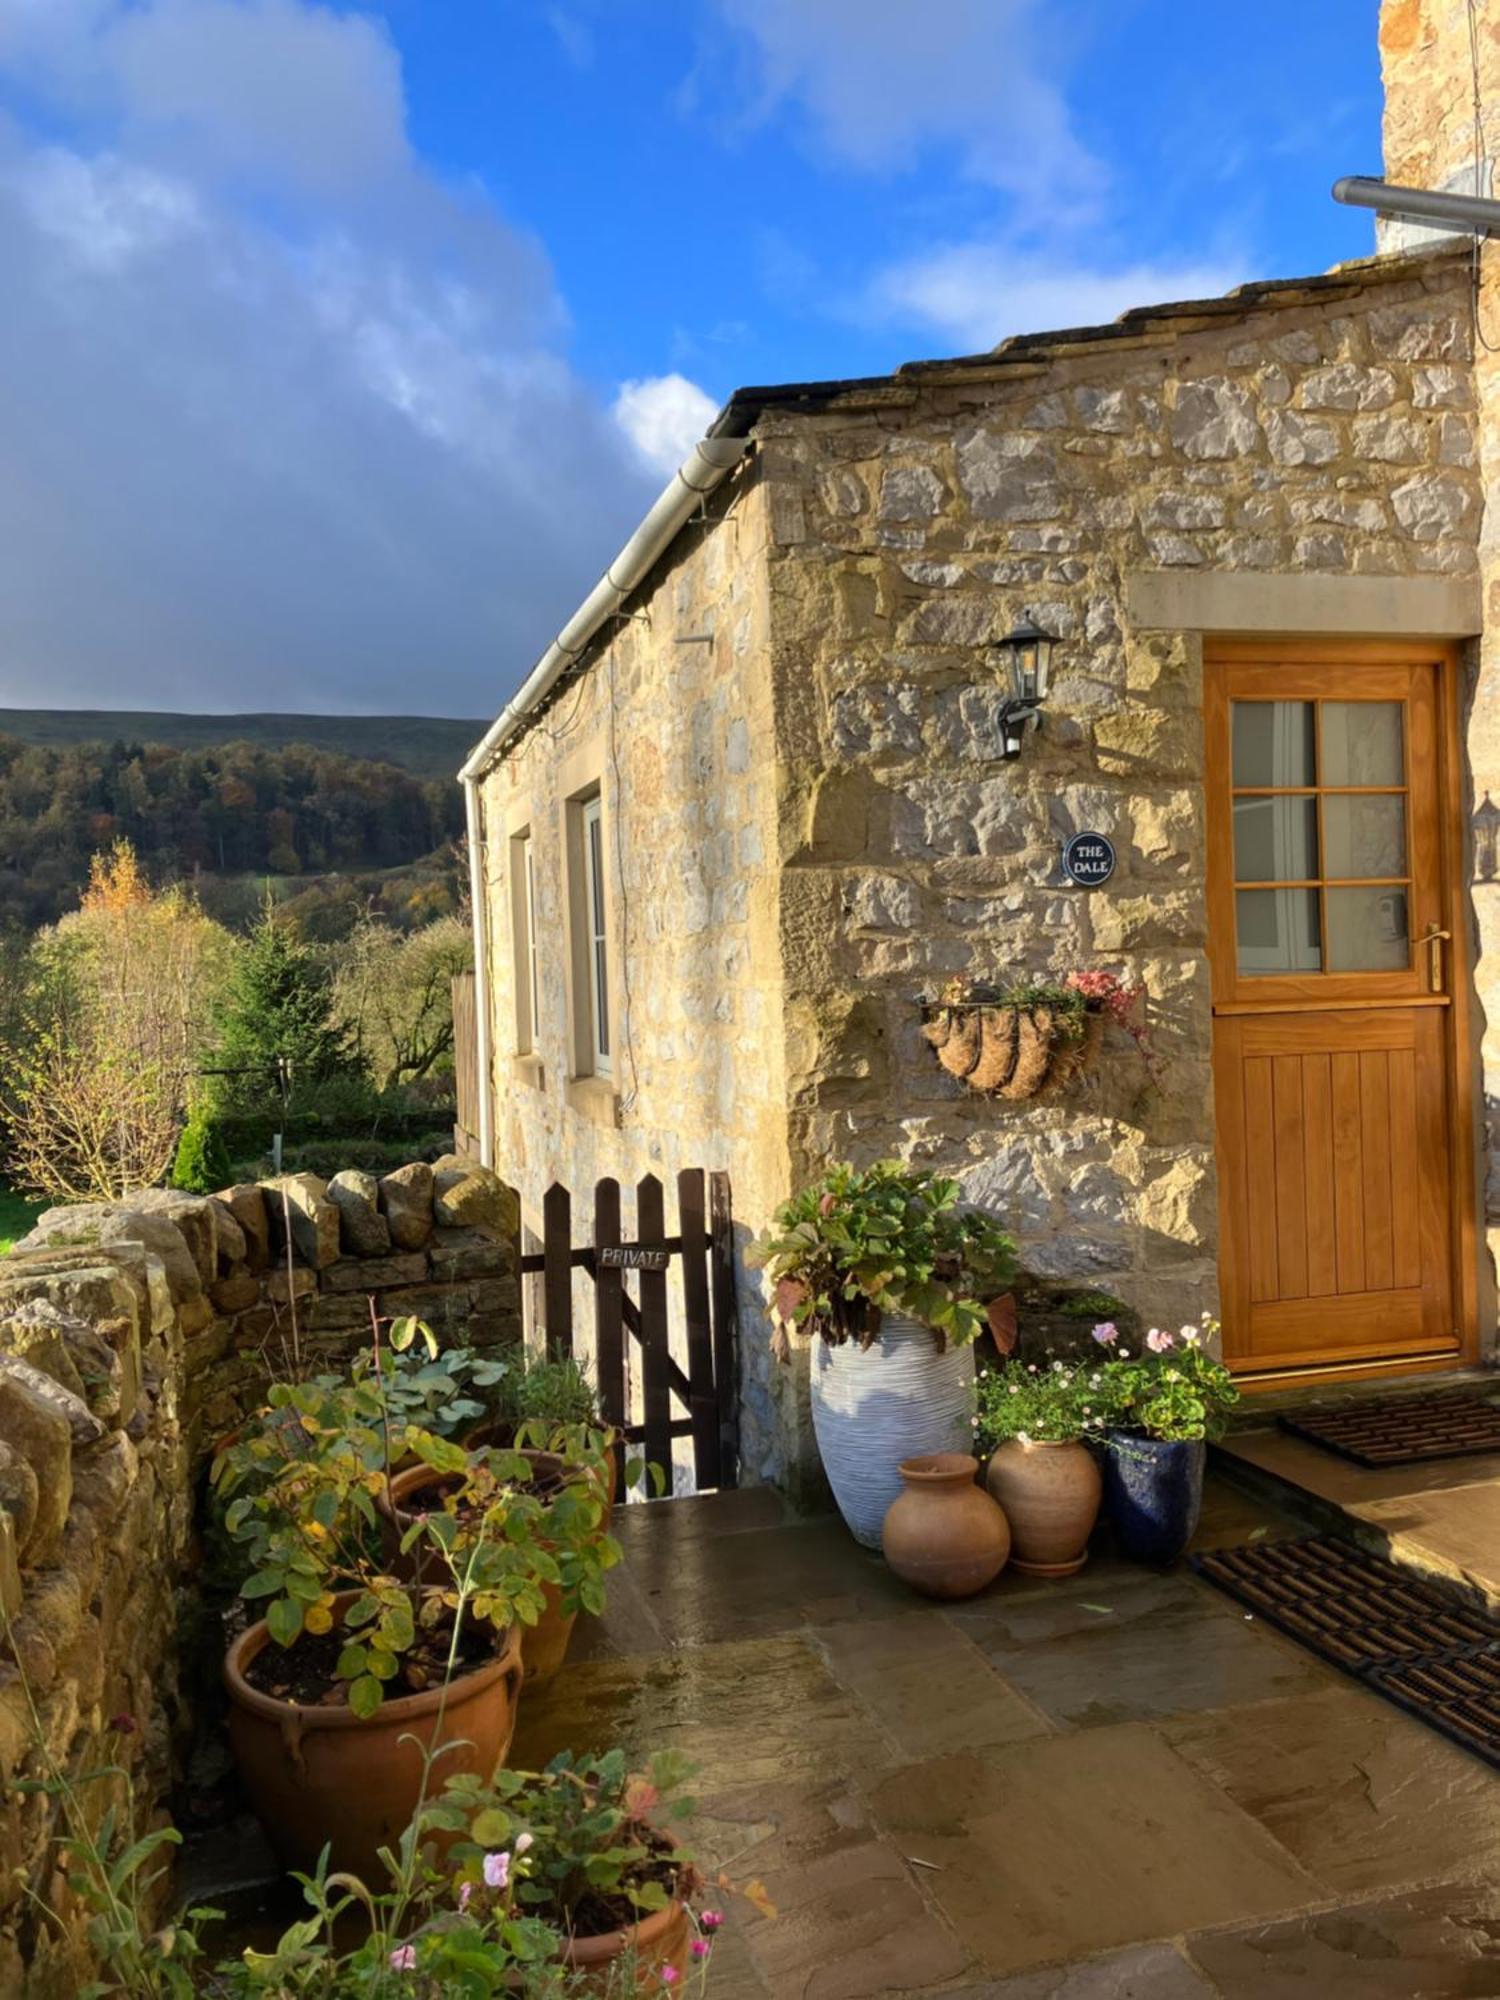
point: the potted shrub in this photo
(1032, 1035)
(354, 1670)
(587, 1849)
(1033, 1418)
(892, 1279)
(1164, 1404)
(553, 1502)
(549, 1405)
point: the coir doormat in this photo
(1405, 1639)
(1455, 1423)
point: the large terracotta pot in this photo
(663, 1939)
(321, 1776)
(873, 1407)
(1050, 1493)
(944, 1535)
(544, 1646)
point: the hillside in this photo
(429, 746)
(226, 818)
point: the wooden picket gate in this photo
(705, 1391)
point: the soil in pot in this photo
(658, 1941)
(1050, 1493)
(544, 1646)
(307, 1672)
(320, 1775)
(944, 1535)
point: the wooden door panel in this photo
(1331, 1085)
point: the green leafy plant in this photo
(885, 1238)
(1174, 1389)
(1043, 1402)
(201, 1164)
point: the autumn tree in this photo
(394, 993)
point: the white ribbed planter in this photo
(873, 1407)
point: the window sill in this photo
(594, 1098)
(529, 1069)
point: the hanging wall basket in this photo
(1013, 1052)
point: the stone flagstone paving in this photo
(1114, 1788)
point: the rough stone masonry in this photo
(133, 1335)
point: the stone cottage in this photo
(752, 807)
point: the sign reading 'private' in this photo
(1088, 859)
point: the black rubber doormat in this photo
(1455, 1423)
(1402, 1638)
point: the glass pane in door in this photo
(1273, 743)
(1277, 931)
(1275, 839)
(1367, 929)
(1362, 743)
(1363, 835)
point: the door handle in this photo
(1433, 938)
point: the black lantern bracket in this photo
(1026, 654)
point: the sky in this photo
(342, 345)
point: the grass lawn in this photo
(16, 1216)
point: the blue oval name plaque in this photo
(1088, 859)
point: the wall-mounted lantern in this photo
(1026, 655)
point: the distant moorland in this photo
(429, 746)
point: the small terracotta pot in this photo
(663, 1939)
(544, 1646)
(321, 1776)
(944, 1535)
(1050, 1493)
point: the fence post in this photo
(557, 1272)
(692, 1222)
(609, 1317)
(650, 1221)
(726, 1326)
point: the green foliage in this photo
(1174, 1389)
(889, 1238)
(596, 1828)
(17, 1214)
(226, 808)
(545, 1392)
(202, 1163)
(394, 993)
(277, 1009)
(1051, 1402)
(1090, 1305)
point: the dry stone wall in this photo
(1338, 436)
(133, 1335)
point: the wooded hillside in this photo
(235, 809)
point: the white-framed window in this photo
(595, 939)
(524, 940)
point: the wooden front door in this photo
(1332, 976)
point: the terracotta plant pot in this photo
(1012, 1052)
(945, 1536)
(1051, 1494)
(499, 1437)
(320, 1776)
(663, 1939)
(544, 1646)
(873, 1407)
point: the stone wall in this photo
(1428, 68)
(132, 1336)
(1333, 437)
(673, 722)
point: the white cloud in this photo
(975, 294)
(323, 452)
(880, 80)
(663, 416)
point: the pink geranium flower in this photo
(496, 1870)
(1106, 1333)
(1160, 1341)
(404, 1958)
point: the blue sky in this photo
(343, 343)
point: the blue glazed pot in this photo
(1153, 1495)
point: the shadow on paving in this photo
(1111, 1787)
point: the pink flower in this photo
(404, 1958)
(1106, 1333)
(1160, 1341)
(701, 1947)
(464, 1894)
(669, 1975)
(711, 1920)
(496, 1870)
